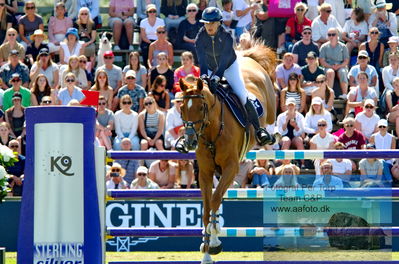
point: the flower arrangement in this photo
(7, 159)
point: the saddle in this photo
(225, 94)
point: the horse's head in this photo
(194, 111)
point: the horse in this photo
(219, 141)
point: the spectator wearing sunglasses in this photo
(142, 181)
(159, 93)
(141, 9)
(323, 23)
(352, 138)
(29, 23)
(302, 47)
(363, 66)
(160, 45)
(46, 101)
(15, 115)
(10, 44)
(14, 66)
(44, 65)
(71, 91)
(17, 171)
(382, 139)
(105, 125)
(116, 174)
(151, 125)
(367, 120)
(126, 124)
(135, 92)
(6, 20)
(16, 82)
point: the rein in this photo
(205, 121)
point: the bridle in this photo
(189, 125)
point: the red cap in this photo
(108, 53)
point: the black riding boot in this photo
(262, 136)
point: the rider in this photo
(218, 59)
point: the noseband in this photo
(189, 125)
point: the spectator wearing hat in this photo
(284, 69)
(358, 95)
(71, 91)
(393, 47)
(29, 23)
(14, 66)
(113, 71)
(371, 168)
(392, 102)
(129, 165)
(6, 20)
(70, 46)
(295, 26)
(367, 120)
(44, 65)
(310, 72)
(33, 50)
(383, 20)
(355, 30)
(382, 139)
(58, 26)
(163, 172)
(352, 138)
(135, 92)
(290, 124)
(142, 181)
(363, 66)
(15, 115)
(302, 47)
(173, 121)
(323, 23)
(141, 9)
(11, 43)
(334, 57)
(121, 15)
(148, 30)
(16, 82)
(116, 174)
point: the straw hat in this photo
(116, 165)
(38, 32)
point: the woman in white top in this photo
(391, 71)
(366, 121)
(185, 174)
(148, 30)
(126, 124)
(382, 139)
(342, 168)
(316, 112)
(71, 46)
(322, 140)
(355, 30)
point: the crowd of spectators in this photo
(332, 51)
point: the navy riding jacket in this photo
(215, 53)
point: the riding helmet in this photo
(211, 14)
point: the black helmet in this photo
(211, 14)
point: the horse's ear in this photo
(183, 85)
(200, 84)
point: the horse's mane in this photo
(262, 54)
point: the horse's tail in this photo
(266, 57)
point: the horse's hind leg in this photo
(213, 228)
(206, 183)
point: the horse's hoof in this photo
(215, 250)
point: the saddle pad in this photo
(235, 105)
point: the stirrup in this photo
(263, 137)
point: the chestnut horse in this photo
(220, 141)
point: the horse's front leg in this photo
(213, 228)
(206, 184)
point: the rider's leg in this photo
(234, 77)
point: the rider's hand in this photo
(213, 84)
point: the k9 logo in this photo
(63, 164)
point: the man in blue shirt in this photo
(327, 180)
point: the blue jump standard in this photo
(257, 262)
(237, 193)
(263, 154)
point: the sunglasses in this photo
(127, 103)
(30, 7)
(362, 57)
(83, 61)
(46, 102)
(148, 103)
(11, 35)
(382, 127)
(161, 32)
(191, 10)
(152, 12)
(331, 34)
(70, 80)
(84, 14)
(322, 125)
(349, 125)
(130, 78)
(292, 79)
(16, 80)
(13, 146)
(300, 10)
(115, 170)
(108, 57)
(369, 107)
(44, 55)
(307, 33)
(2, 4)
(374, 32)
(328, 11)
(103, 103)
(322, 81)
(141, 174)
(102, 77)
